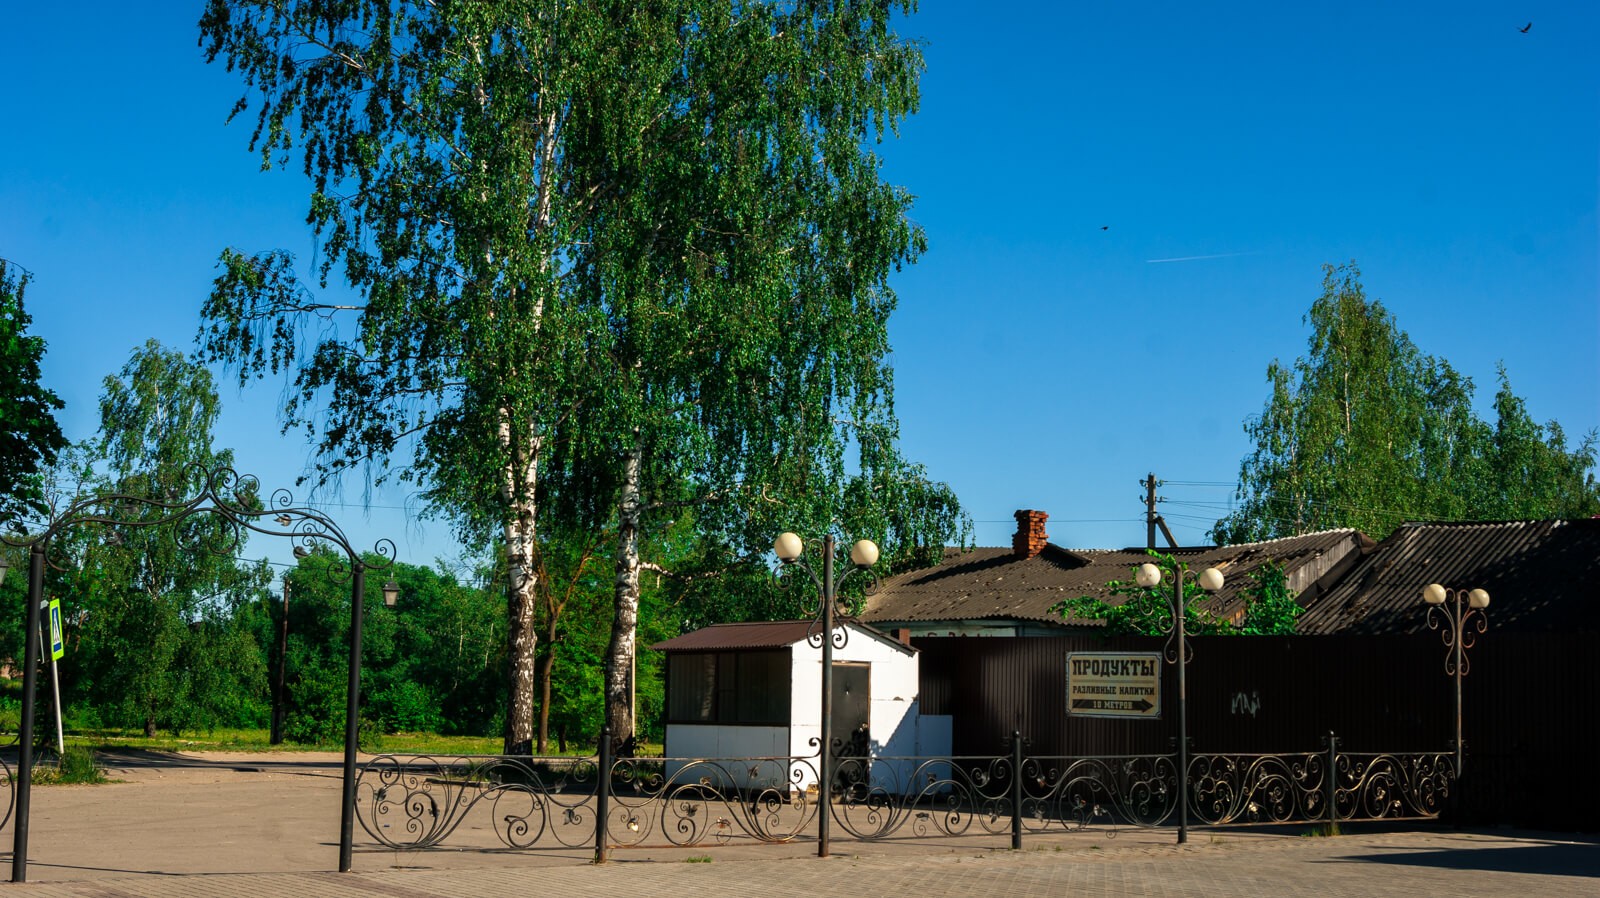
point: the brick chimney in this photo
(1030, 537)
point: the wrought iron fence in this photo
(8, 782)
(418, 802)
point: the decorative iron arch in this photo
(236, 499)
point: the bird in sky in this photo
(1105, 227)
(1524, 29)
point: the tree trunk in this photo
(545, 671)
(521, 591)
(625, 620)
(521, 667)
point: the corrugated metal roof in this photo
(1542, 576)
(993, 583)
(761, 635)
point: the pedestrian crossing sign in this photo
(58, 646)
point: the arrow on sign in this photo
(1111, 704)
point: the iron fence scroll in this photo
(685, 802)
(517, 803)
(419, 801)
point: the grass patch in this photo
(254, 740)
(259, 740)
(698, 859)
(77, 766)
(1322, 831)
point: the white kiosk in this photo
(754, 690)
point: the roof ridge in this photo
(1279, 539)
(1557, 522)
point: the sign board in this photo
(1114, 684)
(58, 646)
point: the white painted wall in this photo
(892, 712)
(897, 730)
(692, 741)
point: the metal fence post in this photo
(602, 797)
(1016, 790)
(825, 730)
(30, 686)
(352, 715)
(1332, 787)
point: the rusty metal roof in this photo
(995, 584)
(760, 635)
(1542, 576)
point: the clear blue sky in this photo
(1041, 361)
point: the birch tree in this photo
(574, 249)
(742, 274)
(1367, 431)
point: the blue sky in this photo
(1040, 361)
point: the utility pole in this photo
(1151, 519)
(1149, 485)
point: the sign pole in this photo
(56, 647)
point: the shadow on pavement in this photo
(138, 757)
(1551, 859)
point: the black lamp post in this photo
(1459, 616)
(1150, 575)
(279, 694)
(863, 554)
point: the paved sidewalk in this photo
(1398, 864)
(267, 825)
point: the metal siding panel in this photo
(1529, 706)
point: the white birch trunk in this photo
(521, 591)
(625, 619)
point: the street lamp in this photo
(863, 554)
(1459, 616)
(391, 593)
(1149, 576)
(278, 693)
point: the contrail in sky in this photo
(1198, 258)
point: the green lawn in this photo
(257, 740)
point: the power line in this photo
(1063, 520)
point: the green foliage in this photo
(431, 663)
(439, 663)
(167, 630)
(1147, 611)
(1272, 608)
(579, 293)
(149, 609)
(30, 439)
(1368, 432)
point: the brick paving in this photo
(1398, 864)
(259, 830)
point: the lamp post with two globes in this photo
(1149, 576)
(863, 554)
(1459, 616)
